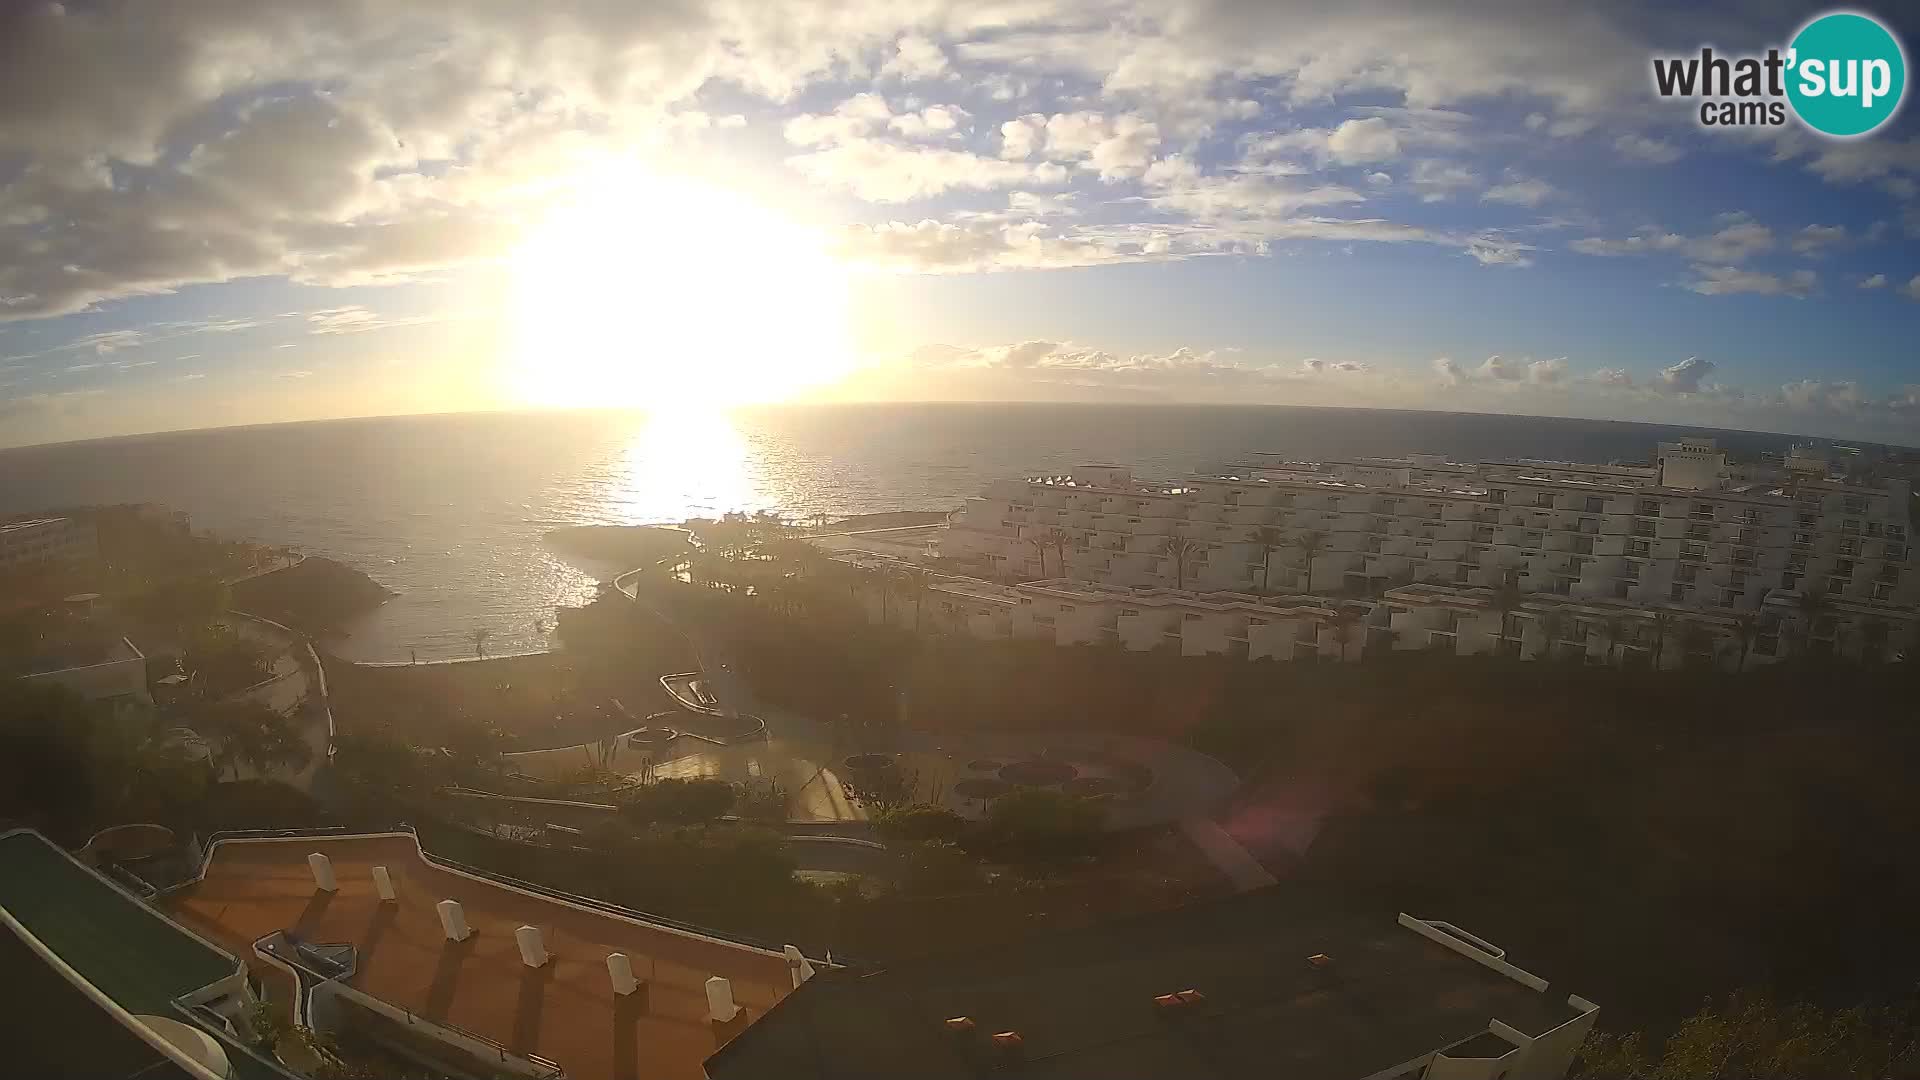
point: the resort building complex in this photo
(404, 963)
(46, 539)
(1749, 563)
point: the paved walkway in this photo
(1226, 854)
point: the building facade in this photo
(1690, 532)
(40, 540)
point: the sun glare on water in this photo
(666, 292)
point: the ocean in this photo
(450, 510)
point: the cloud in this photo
(1642, 150)
(1730, 280)
(1495, 251)
(1684, 377)
(1613, 377)
(884, 172)
(1064, 356)
(1519, 193)
(1817, 240)
(930, 246)
(1357, 142)
(1450, 371)
(1912, 288)
(1547, 372)
(1822, 396)
(916, 58)
(1877, 281)
(1437, 180)
(295, 375)
(1116, 147)
(934, 120)
(1020, 137)
(1737, 240)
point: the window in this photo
(1873, 528)
(1692, 550)
(1679, 591)
(1640, 550)
(1596, 505)
(1129, 611)
(1648, 508)
(1849, 545)
(1882, 591)
(1797, 563)
(1789, 580)
(1803, 539)
(1066, 608)
(1497, 496)
(1699, 532)
(1729, 597)
(1190, 616)
(1630, 571)
(1643, 528)
(1544, 498)
(1850, 525)
(1843, 568)
(1737, 579)
(1856, 504)
(1703, 509)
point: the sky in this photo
(248, 211)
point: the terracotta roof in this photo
(565, 1011)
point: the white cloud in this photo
(1116, 147)
(938, 247)
(1817, 240)
(934, 120)
(1612, 377)
(1737, 240)
(1547, 372)
(1357, 142)
(1877, 281)
(1437, 180)
(1564, 127)
(1519, 193)
(916, 58)
(1647, 151)
(1496, 251)
(1684, 377)
(1822, 396)
(1729, 280)
(1912, 288)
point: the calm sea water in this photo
(450, 510)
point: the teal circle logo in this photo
(1846, 74)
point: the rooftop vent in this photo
(1007, 1041)
(1180, 999)
(960, 1025)
(1320, 961)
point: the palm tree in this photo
(1506, 600)
(1342, 624)
(1616, 630)
(1057, 539)
(1747, 625)
(1268, 539)
(251, 734)
(1040, 543)
(913, 586)
(1695, 640)
(1663, 622)
(1552, 623)
(1309, 544)
(1813, 606)
(1179, 549)
(480, 635)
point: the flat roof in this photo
(565, 1011)
(1083, 1002)
(57, 1031)
(30, 523)
(127, 950)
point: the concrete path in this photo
(1226, 854)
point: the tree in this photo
(679, 802)
(1752, 1036)
(919, 823)
(480, 634)
(1552, 625)
(1059, 539)
(251, 734)
(1040, 544)
(1695, 640)
(1180, 550)
(1309, 544)
(1663, 623)
(1615, 627)
(1345, 621)
(223, 661)
(1038, 823)
(1268, 539)
(913, 586)
(1747, 625)
(1507, 599)
(1811, 607)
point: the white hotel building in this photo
(1420, 543)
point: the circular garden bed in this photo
(1038, 772)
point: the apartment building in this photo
(1688, 531)
(38, 540)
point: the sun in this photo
(642, 288)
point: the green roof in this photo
(121, 946)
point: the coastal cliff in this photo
(314, 595)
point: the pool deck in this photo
(564, 1011)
